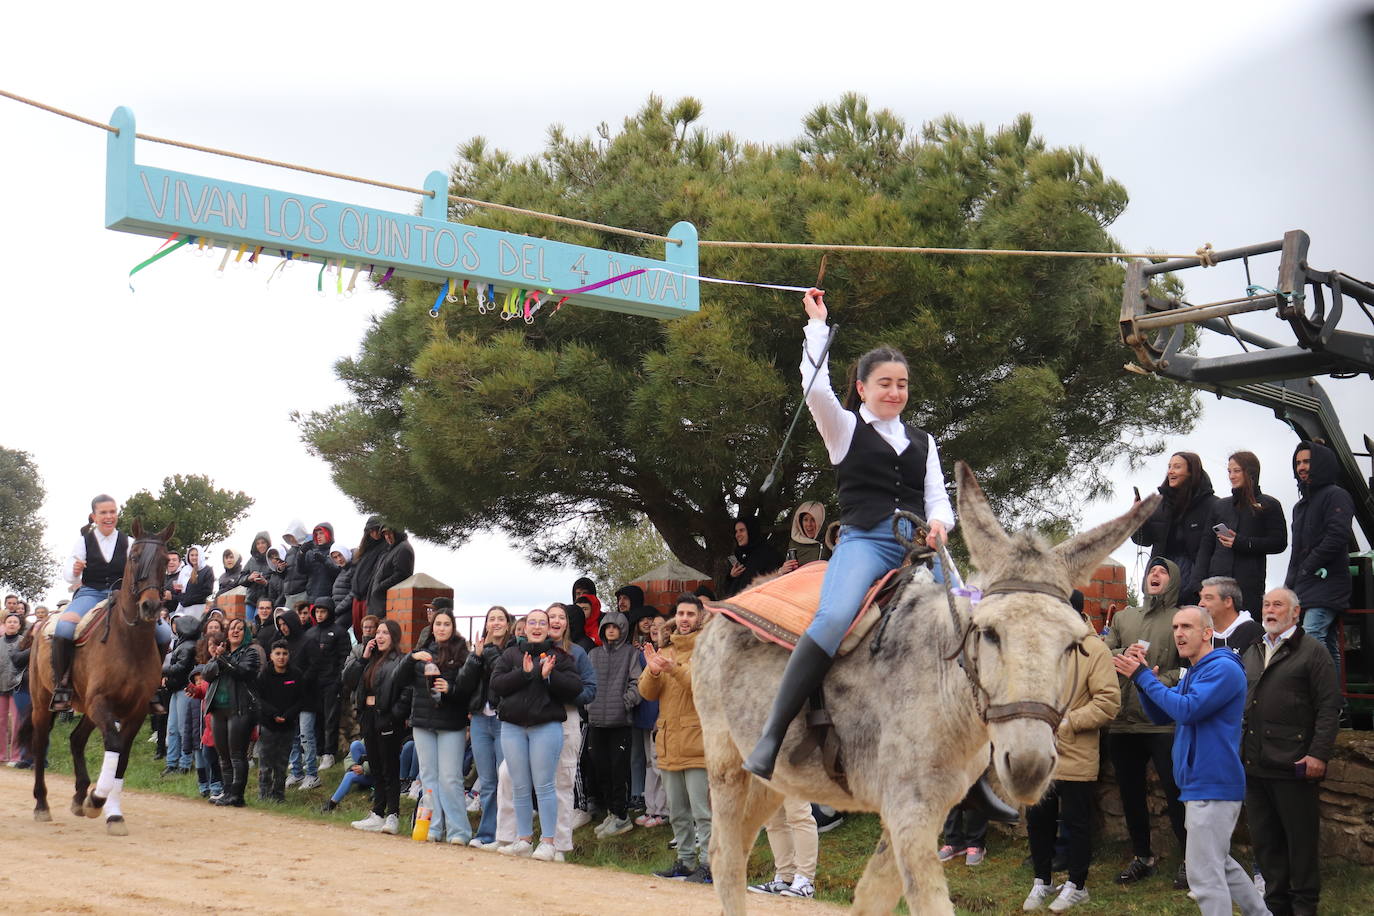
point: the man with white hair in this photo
(1208, 705)
(1291, 713)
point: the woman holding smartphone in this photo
(383, 702)
(231, 671)
(486, 724)
(438, 722)
(1245, 530)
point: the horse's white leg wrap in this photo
(112, 808)
(105, 784)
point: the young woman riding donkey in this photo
(111, 677)
(942, 688)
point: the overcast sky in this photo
(1227, 122)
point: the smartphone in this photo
(734, 561)
(1220, 528)
(1300, 769)
(791, 554)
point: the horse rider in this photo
(96, 564)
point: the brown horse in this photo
(113, 677)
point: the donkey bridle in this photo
(1022, 709)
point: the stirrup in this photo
(61, 699)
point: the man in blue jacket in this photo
(1208, 706)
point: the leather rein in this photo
(967, 655)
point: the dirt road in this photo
(182, 856)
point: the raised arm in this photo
(836, 424)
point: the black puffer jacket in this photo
(176, 667)
(1177, 536)
(451, 712)
(257, 563)
(1319, 565)
(366, 558)
(480, 666)
(1259, 532)
(394, 568)
(391, 686)
(342, 593)
(320, 572)
(526, 698)
(325, 650)
(232, 578)
(234, 673)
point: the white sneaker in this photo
(474, 804)
(769, 887)
(520, 848)
(326, 761)
(1070, 895)
(373, 823)
(558, 856)
(415, 790)
(617, 826)
(293, 780)
(544, 852)
(800, 887)
(602, 827)
(392, 825)
(580, 818)
(458, 841)
(1040, 894)
(309, 782)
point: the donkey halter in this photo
(989, 712)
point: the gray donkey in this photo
(917, 729)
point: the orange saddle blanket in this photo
(780, 609)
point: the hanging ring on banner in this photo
(452, 288)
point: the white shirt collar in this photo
(869, 416)
(1283, 637)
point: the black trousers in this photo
(274, 754)
(231, 746)
(965, 828)
(384, 757)
(610, 750)
(1072, 801)
(327, 721)
(1131, 754)
(1284, 823)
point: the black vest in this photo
(100, 573)
(874, 481)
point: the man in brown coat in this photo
(667, 678)
(1291, 713)
(1094, 704)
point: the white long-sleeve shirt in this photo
(837, 425)
(106, 543)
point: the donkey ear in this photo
(982, 532)
(1084, 552)
(138, 528)
(166, 534)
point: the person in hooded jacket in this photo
(1252, 527)
(1136, 740)
(320, 572)
(1184, 517)
(303, 763)
(197, 581)
(441, 689)
(584, 593)
(366, 556)
(276, 579)
(183, 716)
(629, 600)
(297, 542)
(327, 646)
(341, 592)
(808, 527)
(610, 720)
(383, 700)
(577, 625)
(486, 724)
(395, 567)
(1319, 564)
(235, 572)
(753, 557)
(231, 672)
(257, 569)
(280, 692)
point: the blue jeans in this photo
(441, 773)
(486, 753)
(859, 559)
(351, 780)
(410, 765)
(207, 763)
(303, 749)
(84, 599)
(1322, 623)
(183, 730)
(532, 759)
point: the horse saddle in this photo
(84, 628)
(780, 609)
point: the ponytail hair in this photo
(863, 368)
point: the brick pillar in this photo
(1107, 587)
(233, 603)
(405, 604)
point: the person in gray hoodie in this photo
(257, 569)
(618, 665)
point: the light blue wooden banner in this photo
(157, 202)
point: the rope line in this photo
(1202, 254)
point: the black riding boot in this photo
(982, 799)
(805, 671)
(61, 649)
(233, 792)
